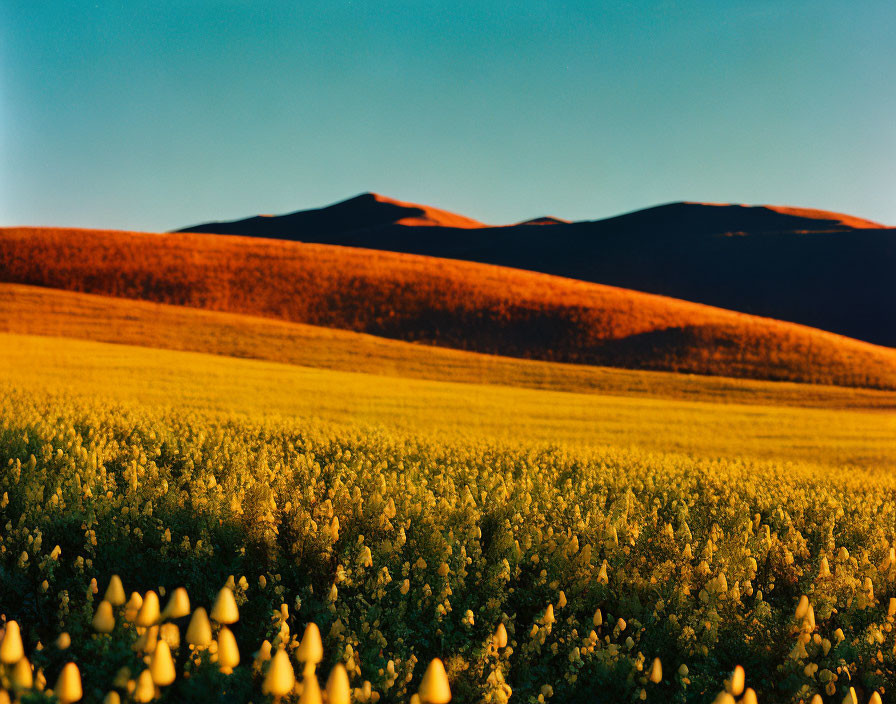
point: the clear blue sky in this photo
(154, 115)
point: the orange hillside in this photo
(436, 301)
(828, 216)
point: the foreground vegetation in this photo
(618, 575)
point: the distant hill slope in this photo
(32, 310)
(450, 303)
(363, 212)
(826, 270)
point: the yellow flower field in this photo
(540, 545)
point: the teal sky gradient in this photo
(156, 115)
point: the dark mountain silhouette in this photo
(822, 269)
(361, 213)
(545, 220)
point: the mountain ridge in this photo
(826, 270)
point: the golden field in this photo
(631, 548)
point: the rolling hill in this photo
(826, 270)
(441, 302)
(31, 310)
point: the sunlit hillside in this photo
(542, 545)
(34, 310)
(449, 303)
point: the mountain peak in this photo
(545, 220)
(409, 214)
(365, 211)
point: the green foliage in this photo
(403, 547)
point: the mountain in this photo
(449, 303)
(363, 212)
(827, 270)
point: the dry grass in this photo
(442, 302)
(32, 310)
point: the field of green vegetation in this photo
(632, 549)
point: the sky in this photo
(158, 115)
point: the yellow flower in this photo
(736, 683)
(228, 651)
(434, 688)
(170, 633)
(311, 693)
(280, 678)
(178, 604)
(68, 686)
(145, 690)
(22, 676)
(500, 637)
(104, 618)
(263, 654)
(311, 649)
(338, 688)
(11, 648)
(199, 631)
(132, 608)
(115, 591)
(161, 666)
(224, 609)
(656, 671)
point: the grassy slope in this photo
(40, 311)
(218, 384)
(449, 303)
